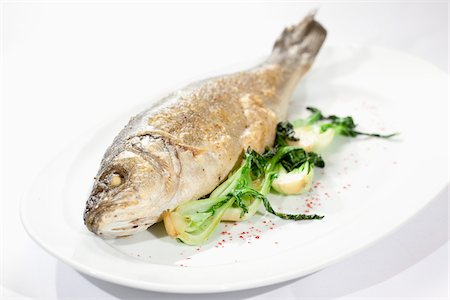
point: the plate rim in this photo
(197, 289)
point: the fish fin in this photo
(299, 44)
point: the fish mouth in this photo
(111, 220)
(92, 215)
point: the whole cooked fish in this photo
(184, 146)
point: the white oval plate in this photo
(369, 187)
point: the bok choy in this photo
(317, 131)
(236, 199)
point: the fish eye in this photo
(115, 179)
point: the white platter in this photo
(369, 187)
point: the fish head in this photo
(127, 196)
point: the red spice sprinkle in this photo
(243, 232)
(271, 228)
(309, 205)
(235, 224)
(241, 237)
(257, 236)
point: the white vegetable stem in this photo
(311, 139)
(234, 213)
(295, 182)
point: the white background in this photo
(68, 67)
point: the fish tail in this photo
(299, 44)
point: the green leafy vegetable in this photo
(317, 131)
(316, 115)
(269, 178)
(285, 132)
(251, 169)
(344, 126)
(263, 167)
(299, 157)
(194, 222)
(294, 165)
(236, 198)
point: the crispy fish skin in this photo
(184, 146)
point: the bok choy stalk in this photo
(245, 178)
(194, 222)
(317, 131)
(296, 178)
(295, 170)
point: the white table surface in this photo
(68, 67)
